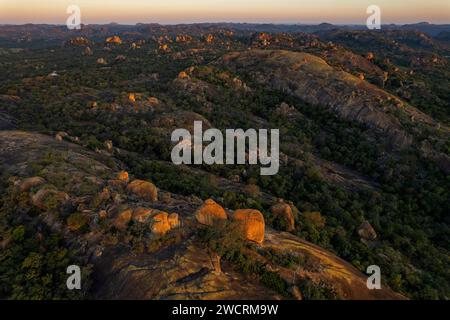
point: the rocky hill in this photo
(117, 229)
(86, 175)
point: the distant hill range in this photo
(48, 31)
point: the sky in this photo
(190, 11)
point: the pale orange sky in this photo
(181, 11)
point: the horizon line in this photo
(225, 22)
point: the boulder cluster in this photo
(250, 221)
(46, 197)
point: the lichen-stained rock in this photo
(123, 176)
(47, 199)
(252, 224)
(122, 219)
(209, 212)
(283, 212)
(160, 224)
(29, 183)
(142, 215)
(143, 189)
(174, 220)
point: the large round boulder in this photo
(252, 224)
(143, 189)
(210, 212)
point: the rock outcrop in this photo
(311, 79)
(251, 223)
(210, 212)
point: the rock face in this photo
(283, 212)
(252, 223)
(143, 189)
(210, 212)
(367, 232)
(311, 79)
